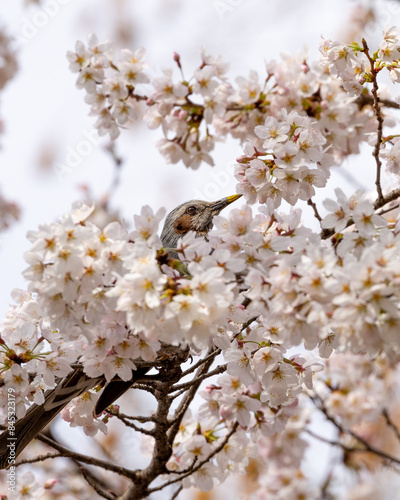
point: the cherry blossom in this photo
(269, 320)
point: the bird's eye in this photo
(191, 210)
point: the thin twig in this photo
(390, 423)
(332, 442)
(193, 368)
(364, 100)
(92, 481)
(186, 401)
(387, 210)
(320, 405)
(183, 387)
(67, 453)
(148, 432)
(39, 458)
(140, 419)
(175, 495)
(378, 114)
(314, 207)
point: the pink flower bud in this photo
(50, 484)
(177, 59)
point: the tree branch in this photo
(148, 432)
(67, 453)
(175, 495)
(193, 368)
(390, 423)
(140, 419)
(183, 387)
(366, 99)
(162, 452)
(320, 405)
(199, 464)
(93, 481)
(378, 114)
(315, 209)
(39, 458)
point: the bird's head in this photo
(194, 215)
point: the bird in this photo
(194, 215)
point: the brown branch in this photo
(93, 481)
(148, 432)
(39, 458)
(390, 423)
(366, 99)
(378, 114)
(140, 419)
(87, 475)
(332, 442)
(320, 405)
(185, 403)
(183, 387)
(162, 452)
(393, 195)
(193, 368)
(315, 209)
(387, 210)
(104, 464)
(175, 495)
(199, 464)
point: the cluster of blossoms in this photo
(8, 61)
(112, 99)
(258, 286)
(195, 112)
(100, 296)
(293, 161)
(357, 392)
(352, 62)
(106, 298)
(109, 299)
(354, 66)
(360, 396)
(9, 212)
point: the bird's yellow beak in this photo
(232, 198)
(221, 204)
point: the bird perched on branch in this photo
(193, 215)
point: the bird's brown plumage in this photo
(194, 215)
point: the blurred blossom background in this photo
(44, 120)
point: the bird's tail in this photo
(14, 439)
(116, 388)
